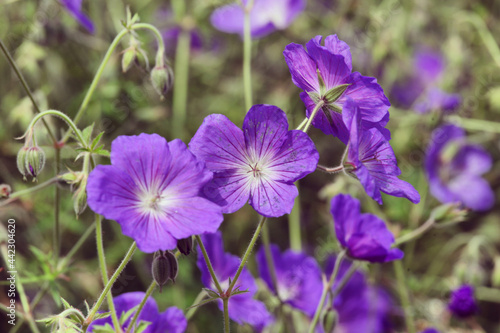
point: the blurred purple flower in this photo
(420, 91)
(430, 330)
(462, 302)
(152, 190)
(298, 276)
(171, 36)
(74, 7)
(321, 70)
(260, 163)
(266, 16)
(243, 308)
(360, 307)
(363, 236)
(172, 320)
(454, 168)
(371, 160)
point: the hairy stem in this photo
(313, 114)
(150, 290)
(404, 296)
(247, 56)
(209, 264)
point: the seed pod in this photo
(35, 160)
(164, 267)
(21, 161)
(185, 245)
(128, 58)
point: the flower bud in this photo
(164, 267)
(80, 197)
(185, 245)
(128, 58)
(162, 78)
(30, 161)
(5, 191)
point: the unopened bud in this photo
(185, 245)
(449, 213)
(80, 197)
(128, 58)
(30, 161)
(162, 78)
(164, 267)
(5, 191)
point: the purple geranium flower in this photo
(454, 168)
(324, 73)
(298, 278)
(74, 7)
(462, 302)
(266, 16)
(430, 330)
(360, 306)
(172, 320)
(420, 91)
(152, 190)
(370, 159)
(260, 163)
(243, 308)
(363, 236)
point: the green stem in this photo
(198, 299)
(26, 88)
(475, 124)
(77, 245)
(317, 107)
(404, 296)
(345, 278)
(108, 286)
(330, 170)
(302, 124)
(17, 194)
(227, 327)
(246, 255)
(104, 271)
(57, 207)
(415, 233)
(294, 224)
(247, 56)
(150, 290)
(161, 45)
(269, 258)
(209, 264)
(181, 80)
(68, 120)
(96, 79)
(327, 288)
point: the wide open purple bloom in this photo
(421, 90)
(152, 189)
(462, 302)
(360, 306)
(323, 69)
(172, 320)
(454, 168)
(298, 278)
(74, 7)
(259, 164)
(363, 236)
(266, 16)
(243, 308)
(370, 159)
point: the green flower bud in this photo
(5, 191)
(30, 161)
(164, 267)
(80, 197)
(162, 78)
(128, 58)
(185, 245)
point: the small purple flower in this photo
(462, 302)
(454, 168)
(298, 276)
(370, 159)
(74, 7)
(172, 320)
(171, 36)
(430, 330)
(266, 16)
(324, 73)
(420, 91)
(259, 164)
(363, 236)
(243, 308)
(360, 306)
(152, 189)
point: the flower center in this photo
(255, 170)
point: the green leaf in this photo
(142, 326)
(96, 140)
(126, 315)
(203, 302)
(238, 292)
(211, 293)
(102, 315)
(102, 152)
